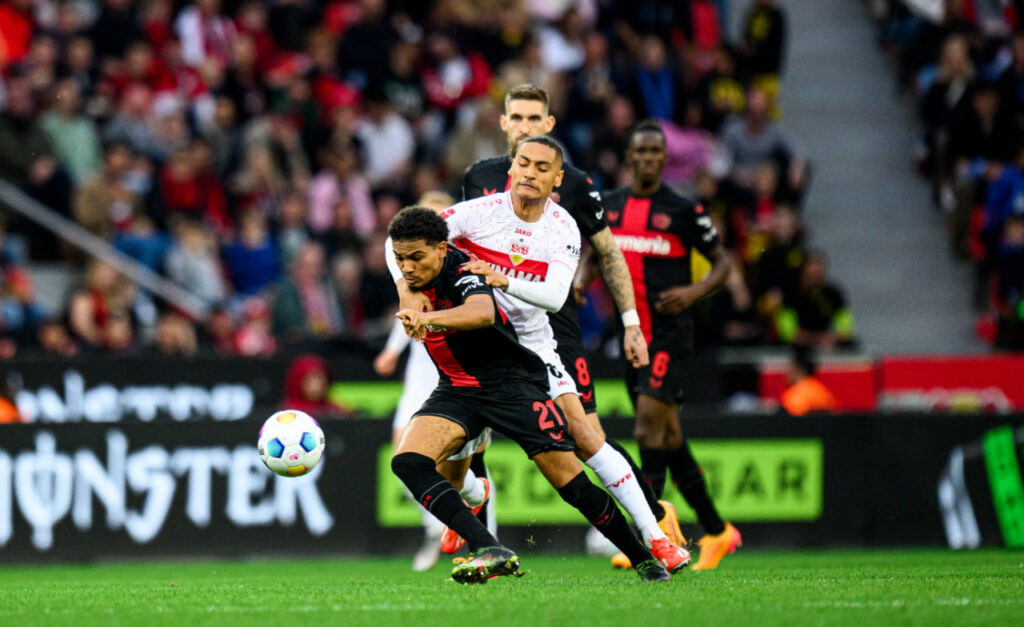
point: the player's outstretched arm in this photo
(620, 284)
(476, 313)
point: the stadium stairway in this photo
(886, 244)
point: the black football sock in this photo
(476, 464)
(652, 500)
(654, 465)
(433, 492)
(689, 478)
(598, 507)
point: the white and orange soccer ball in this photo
(291, 443)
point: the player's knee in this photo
(647, 436)
(588, 442)
(409, 465)
(595, 425)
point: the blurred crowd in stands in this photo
(962, 61)
(254, 152)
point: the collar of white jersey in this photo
(511, 207)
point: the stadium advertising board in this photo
(143, 389)
(87, 491)
(990, 383)
(750, 480)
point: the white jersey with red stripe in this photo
(489, 229)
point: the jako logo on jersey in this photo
(521, 231)
(644, 245)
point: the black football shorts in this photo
(519, 410)
(664, 377)
(573, 356)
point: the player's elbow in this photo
(552, 305)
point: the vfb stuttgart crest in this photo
(518, 252)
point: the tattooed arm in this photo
(616, 277)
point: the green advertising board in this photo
(751, 480)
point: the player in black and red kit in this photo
(657, 230)
(487, 379)
(526, 115)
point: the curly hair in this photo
(413, 223)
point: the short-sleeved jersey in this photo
(577, 194)
(656, 234)
(489, 229)
(479, 358)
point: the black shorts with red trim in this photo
(566, 326)
(574, 358)
(519, 410)
(664, 378)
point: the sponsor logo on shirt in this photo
(517, 274)
(644, 245)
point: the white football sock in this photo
(473, 489)
(617, 477)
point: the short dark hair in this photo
(527, 91)
(650, 125)
(546, 141)
(413, 223)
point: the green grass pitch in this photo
(768, 588)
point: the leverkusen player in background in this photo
(658, 230)
(527, 115)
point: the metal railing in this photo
(169, 291)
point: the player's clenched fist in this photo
(492, 276)
(635, 347)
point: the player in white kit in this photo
(533, 262)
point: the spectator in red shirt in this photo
(16, 27)
(184, 189)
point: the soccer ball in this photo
(291, 443)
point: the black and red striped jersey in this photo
(577, 194)
(656, 235)
(479, 358)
